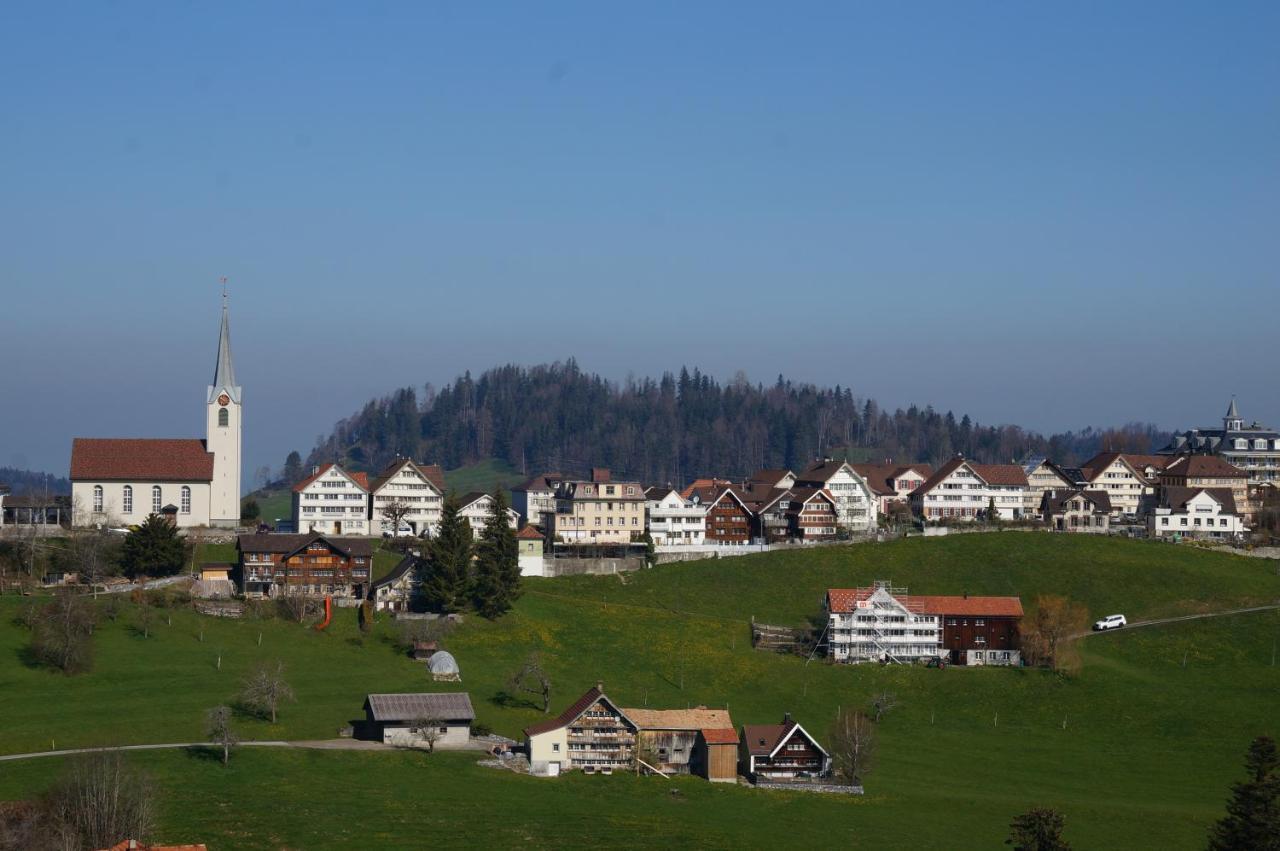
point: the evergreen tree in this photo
(292, 472)
(153, 549)
(1253, 812)
(993, 513)
(497, 580)
(444, 587)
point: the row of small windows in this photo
(157, 500)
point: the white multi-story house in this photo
(673, 521)
(857, 505)
(1044, 476)
(332, 501)
(417, 488)
(893, 482)
(535, 500)
(600, 511)
(878, 623)
(476, 508)
(1129, 479)
(963, 490)
(1197, 513)
(1254, 448)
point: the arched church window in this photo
(186, 500)
(97, 497)
(224, 418)
(156, 504)
(126, 503)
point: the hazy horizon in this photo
(1054, 217)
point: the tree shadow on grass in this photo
(30, 659)
(204, 753)
(507, 700)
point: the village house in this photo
(592, 735)
(477, 507)
(812, 515)
(307, 565)
(673, 521)
(729, 519)
(856, 504)
(1196, 513)
(697, 741)
(882, 623)
(893, 483)
(599, 511)
(1076, 510)
(1129, 479)
(770, 479)
(331, 501)
(396, 591)
(1208, 471)
(438, 719)
(530, 544)
(1253, 448)
(1043, 476)
(781, 753)
(416, 489)
(535, 500)
(963, 490)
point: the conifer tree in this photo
(1253, 812)
(497, 581)
(444, 587)
(153, 549)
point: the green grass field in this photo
(1137, 750)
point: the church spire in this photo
(224, 372)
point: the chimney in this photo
(315, 471)
(786, 718)
(600, 686)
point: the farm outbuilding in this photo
(444, 667)
(410, 720)
(697, 741)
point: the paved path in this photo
(1159, 621)
(312, 744)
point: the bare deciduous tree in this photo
(853, 745)
(99, 801)
(394, 513)
(1047, 640)
(61, 634)
(883, 702)
(92, 554)
(532, 679)
(295, 605)
(217, 727)
(145, 618)
(427, 728)
(265, 689)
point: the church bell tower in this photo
(223, 421)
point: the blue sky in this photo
(1050, 214)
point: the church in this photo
(193, 482)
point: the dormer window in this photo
(1241, 443)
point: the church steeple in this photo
(224, 371)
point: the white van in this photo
(1110, 622)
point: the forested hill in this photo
(33, 482)
(557, 417)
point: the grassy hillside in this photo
(1155, 724)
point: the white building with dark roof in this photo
(1254, 448)
(122, 481)
(442, 720)
(417, 489)
(857, 504)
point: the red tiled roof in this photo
(703, 484)
(940, 474)
(567, 717)
(1001, 474)
(845, 600)
(1204, 465)
(720, 737)
(529, 533)
(115, 459)
(1100, 462)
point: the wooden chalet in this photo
(729, 518)
(308, 565)
(592, 735)
(782, 753)
(697, 741)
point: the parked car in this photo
(1110, 622)
(405, 531)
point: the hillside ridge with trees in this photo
(674, 428)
